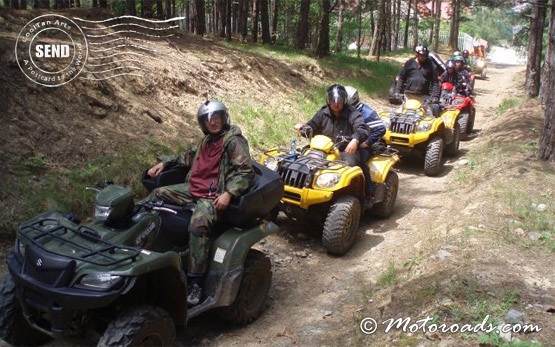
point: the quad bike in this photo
(321, 188)
(480, 67)
(413, 129)
(450, 100)
(119, 279)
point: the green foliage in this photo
(389, 277)
(491, 24)
(507, 104)
(35, 163)
(66, 191)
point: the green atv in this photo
(412, 130)
(119, 279)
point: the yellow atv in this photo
(320, 187)
(413, 129)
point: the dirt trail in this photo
(315, 296)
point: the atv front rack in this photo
(300, 173)
(81, 243)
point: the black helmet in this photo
(450, 64)
(336, 93)
(352, 95)
(209, 109)
(465, 53)
(422, 50)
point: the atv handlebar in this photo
(160, 206)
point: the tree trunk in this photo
(200, 21)
(378, 30)
(275, 17)
(159, 9)
(437, 25)
(265, 21)
(301, 37)
(228, 14)
(407, 24)
(243, 17)
(547, 140)
(339, 36)
(533, 66)
(130, 7)
(254, 21)
(454, 30)
(386, 36)
(415, 25)
(219, 17)
(323, 48)
(147, 8)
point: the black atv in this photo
(119, 279)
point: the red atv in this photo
(450, 99)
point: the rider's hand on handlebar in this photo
(155, 170)
(299, 126)
(352, 146)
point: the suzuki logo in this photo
(39, 262)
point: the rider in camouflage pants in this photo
(220, 169)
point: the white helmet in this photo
(352, 95)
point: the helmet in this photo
(450, 64)
(336, 93)
(466, 53)
(455, 53)
(458, 58)
(209, 109)
(421, 49)
(352, 95)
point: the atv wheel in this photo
(14, 329)
(253, 292)
(341, 225)
(453, 148)
(384, 208)
(140, 326)
(433, 160)
(464, 121)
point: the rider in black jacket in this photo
(338, 118)
(419, 77)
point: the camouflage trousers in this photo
(203, 220)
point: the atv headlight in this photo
(271, 163)
(100, 281)
(423, 127)
(327, 180)
(102, 212)
(19, 248)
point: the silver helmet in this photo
(209, 109)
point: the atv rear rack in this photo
(81, 243)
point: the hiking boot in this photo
(194, 294)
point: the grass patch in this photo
(507, 104)
(39, 190)
(389, 277)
